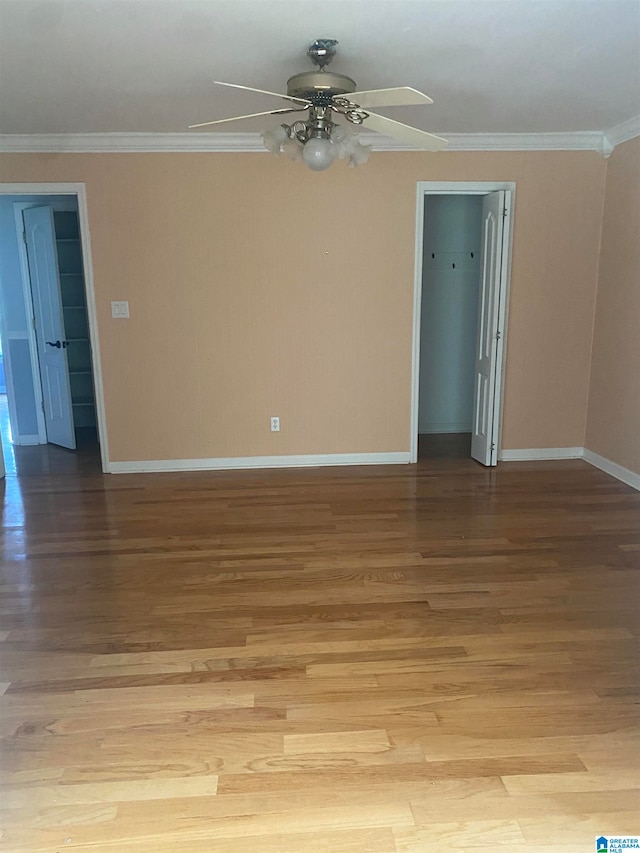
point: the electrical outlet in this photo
(275, 424)
(120, 310)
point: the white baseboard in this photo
(232, 463)
(624, 474)
(540, 453)
(437, 429)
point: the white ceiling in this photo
(491, 66)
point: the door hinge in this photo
(498, 335)
(504, 212)
(42, 406)
(493, 447)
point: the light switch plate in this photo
(120, 309)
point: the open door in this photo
(47, 306)
(485, 399)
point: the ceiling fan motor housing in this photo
(319, 87)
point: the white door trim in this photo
(425, 188)
(79, 191)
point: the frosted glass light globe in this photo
(318, 154)
(338, 134)
(359, 155)
(275, 139)
(293, 149)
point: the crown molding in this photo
(622, 132)
(580, 141)
(123, 143)
(94, 143)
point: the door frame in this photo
(77, 190)
(482, 188)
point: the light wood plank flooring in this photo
(364, 660)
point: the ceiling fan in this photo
(317, 139)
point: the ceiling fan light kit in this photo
(318, 149)
(318, 140)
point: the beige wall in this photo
(259, 288)
(613, 426)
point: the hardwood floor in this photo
(364, 660)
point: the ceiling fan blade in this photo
(261, 92)
(402, 96)
(404, 132)
(238, 118)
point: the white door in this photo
(47, 306)
(486, 407)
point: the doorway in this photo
(463, 242)
(41, 271)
